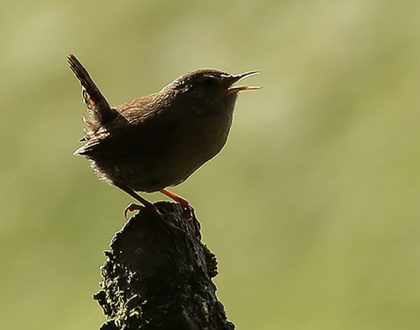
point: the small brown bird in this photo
(158, 140)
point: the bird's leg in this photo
(132, 193)
(182, 201)
(186, 206)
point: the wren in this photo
(158, 140)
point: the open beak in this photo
(236, 77)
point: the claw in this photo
(189, 212)
(130, 208)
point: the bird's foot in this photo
(131, 208)
(188, 211)
(136, 207)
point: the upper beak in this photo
(240, 76)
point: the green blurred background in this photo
(313, 207)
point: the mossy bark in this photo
(158, 275)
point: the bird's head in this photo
(208, 89)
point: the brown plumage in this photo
(158, 140)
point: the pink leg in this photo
(184, 203)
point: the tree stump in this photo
(158, 275)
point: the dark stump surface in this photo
(158, 275)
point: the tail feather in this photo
(96, 103)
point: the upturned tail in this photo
(99, 109)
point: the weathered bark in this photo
(158, 275)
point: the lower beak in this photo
(235, 78)
(235, 90)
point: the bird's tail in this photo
(99, 109)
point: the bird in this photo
(157, 141)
